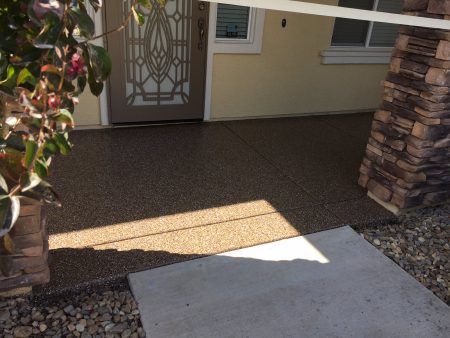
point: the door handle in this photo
(201, 32)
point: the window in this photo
(232, 22)
(238, 29)
(362, 33)
(356, 41)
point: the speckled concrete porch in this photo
(137, 198)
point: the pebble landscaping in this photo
(420, 244)
(108, 314)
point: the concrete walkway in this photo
(328, 284)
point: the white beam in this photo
(340, 12)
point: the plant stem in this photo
(117, 29)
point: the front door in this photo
(159, 68)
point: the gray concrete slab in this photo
(328, 284)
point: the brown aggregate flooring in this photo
(137, 198)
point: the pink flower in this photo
(54, 102)
(76, 66)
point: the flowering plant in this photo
(47, 58)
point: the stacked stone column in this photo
(24, 251)
(407, 162)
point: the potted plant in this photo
(47, 58)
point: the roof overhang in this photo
(340, 12)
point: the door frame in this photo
(104, 102)
(212, 48)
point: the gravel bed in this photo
(419, 243)
(107, 314)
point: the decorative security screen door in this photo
(159, 68)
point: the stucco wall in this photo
(87, 112)
(288, 78)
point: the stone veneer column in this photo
(407, 162)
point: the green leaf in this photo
(31, 149)
(9, 212)
(11, 76)
(83, 21)
(63, 144)
(50, 33)
(43, 193)
(81, 83)
(65, 116)
(15, 141)
(29, 181)
(51, 146)
(99, 61)
(145, 3)
(41, 168)
(3, 185)
(25, 76)
(138, 16)
(95, 86)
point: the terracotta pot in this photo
(24, 251)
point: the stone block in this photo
(26, 245)
(414, 66)
(26, 225)
(418, 143)
(378, 136)
(426, 132)
(428, 105)
(406, 202)
(438, 77)
(436, 197)
(433, 116)
(402, 41)
(439, 7)
(402, 122)
(380, 191)
(374, 150)
(10, 265)
(435, 97)
(415, 5)
(443, 50)
(41, 277)
(363, 179)
(425, 152)
(383, 116)
(394, 66)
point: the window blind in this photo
(232, 21)
(351, 32)
(384, 34)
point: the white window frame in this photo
(337, 55)
(251, 45)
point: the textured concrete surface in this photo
(135, 198)
(328, 284)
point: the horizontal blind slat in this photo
(384, 34)
(232, 21)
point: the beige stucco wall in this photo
(288, 78)
(87, 112)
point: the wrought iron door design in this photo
(158, 56)
(160, 63)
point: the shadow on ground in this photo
(202, 188)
